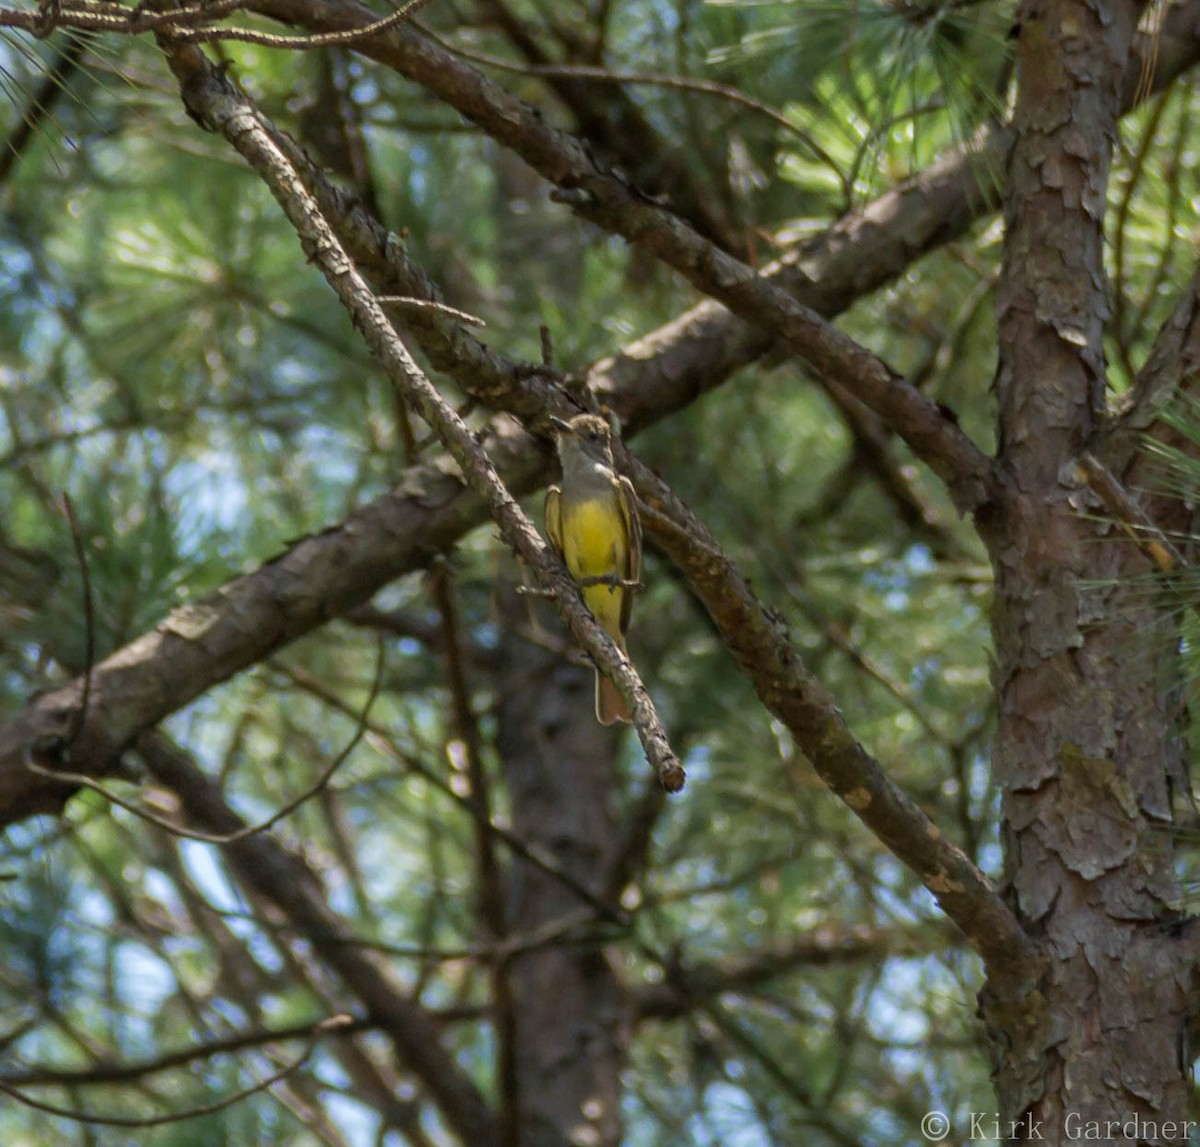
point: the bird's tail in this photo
(610, 705)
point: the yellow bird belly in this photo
(595, 545)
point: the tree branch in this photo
(319, 577)
(332, 1024)
(284, 880)
(604, 198)
(217, 104)
(824, 947)
(135, 1070)
(759, 642)
(1171, 367)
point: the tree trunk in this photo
(558, 766)
(1084, 743)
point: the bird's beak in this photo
(560, 427)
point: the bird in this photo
(592, 523)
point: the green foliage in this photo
(883, 86)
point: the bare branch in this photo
(759, 642)
(99, 15)
(605, 199)
(824, 947)
(215, 102)
(296, 43)
(286, 881)
(108, 1073)
(332, 1024)
(677, 83)
(409, 303)
(1172, 366)
(81, 780)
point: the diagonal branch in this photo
(205, 643)
(105, 1072)
(284, 880)
(218, 105)
(617, 126)
(759, 642)
(677, 993)
(1172, 367)
(604, 198)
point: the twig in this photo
(96, 15)
(1130, 516)
(414, 304)
(79, 716)
(250, 830)
(657, 80)
(300, 43)
(515, 944)
(109, 1073)
(334, 1023)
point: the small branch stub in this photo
(672, 776)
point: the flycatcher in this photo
(592, 522)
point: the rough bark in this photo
(559, 771)
(1084, 742)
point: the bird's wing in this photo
(554, 518)
(627, 503)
